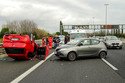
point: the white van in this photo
(78, 33)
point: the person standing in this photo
(47, 41)
(50, 40)
(66, 39)
(43, 41)
(56, 41)
(34, 37)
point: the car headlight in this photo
(120, 42)
(62, 49)
(109, 43)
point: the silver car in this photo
(113, 41)
(82, 47)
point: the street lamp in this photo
(106, 19)
(94, 25)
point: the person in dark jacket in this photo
(56, 41)
(66, 39)
(47, 42)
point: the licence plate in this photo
(115, 45)
(14, 39)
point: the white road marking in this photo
(19, 78)
(113, 67)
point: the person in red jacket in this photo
(50, 39)
(43, 41)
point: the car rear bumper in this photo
(17, 56)
(17, 53)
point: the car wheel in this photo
(120, 47)
(71, 56)
(102, 55)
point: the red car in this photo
(23, 47)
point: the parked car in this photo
(23, 47)
(97, 37)
(101, 38)
(62, 37)
(113, 42)
(82, 47)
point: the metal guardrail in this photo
(2, 51)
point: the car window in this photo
(94, 42)
(111, 38)
(74, 42)
(85, 42)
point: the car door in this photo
(83, 49)
(94, 47)
(42, 52)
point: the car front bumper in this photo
(114, 45)
(60, 54)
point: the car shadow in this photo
(114, 49)
(77, 59)
(87, 57)
(8, 59)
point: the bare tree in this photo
(21, 26)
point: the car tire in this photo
(71, 56)
(102, 54)
(120, 47)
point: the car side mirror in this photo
(80, 44)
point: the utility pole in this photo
(106, 20)
(94, 25)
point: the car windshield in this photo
(73, 42)
(62, 39)
(78, 35)
(111, 38)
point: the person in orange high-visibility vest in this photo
(43, 41)
(50, 39)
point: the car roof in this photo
(85, 38)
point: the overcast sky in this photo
(47, 13)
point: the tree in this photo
(12, 32)
(21, 26)
(58, 33)
(41, 33)
(3, 31)
(65, 33)
(24, 27)
(61, 28)
(25, 33)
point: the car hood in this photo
(113, 41)
(64, 46)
